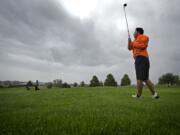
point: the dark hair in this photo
(140, 30)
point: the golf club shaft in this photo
(126, 23)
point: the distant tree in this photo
(110, 81)
(75, 84)
(169, 79)
(94, 82)
(82, 84)
(161, 80)
(125, 80)
(28, 85)
(58, 83)
(66, 85)
(49, 85)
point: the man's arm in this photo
(130, 45)
(141, 44)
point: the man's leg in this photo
(139, 87)
(139, 67)
(150, 86)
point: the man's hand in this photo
(129, 40)
(129, 43)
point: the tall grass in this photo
(89, 111)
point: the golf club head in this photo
(125, 5)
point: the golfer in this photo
(140, 54)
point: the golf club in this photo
(125, 5)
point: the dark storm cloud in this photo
(40, 35)
(32, 27)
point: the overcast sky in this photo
(73, 40)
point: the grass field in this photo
(89, 111)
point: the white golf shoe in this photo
(135, 96)
(155, 96)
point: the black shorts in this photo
(142, 68)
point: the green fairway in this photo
(89, 111)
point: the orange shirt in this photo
(139, 46)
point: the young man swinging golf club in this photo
(140, 54)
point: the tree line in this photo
(94, 82)
(168, 79)
(110, 81)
